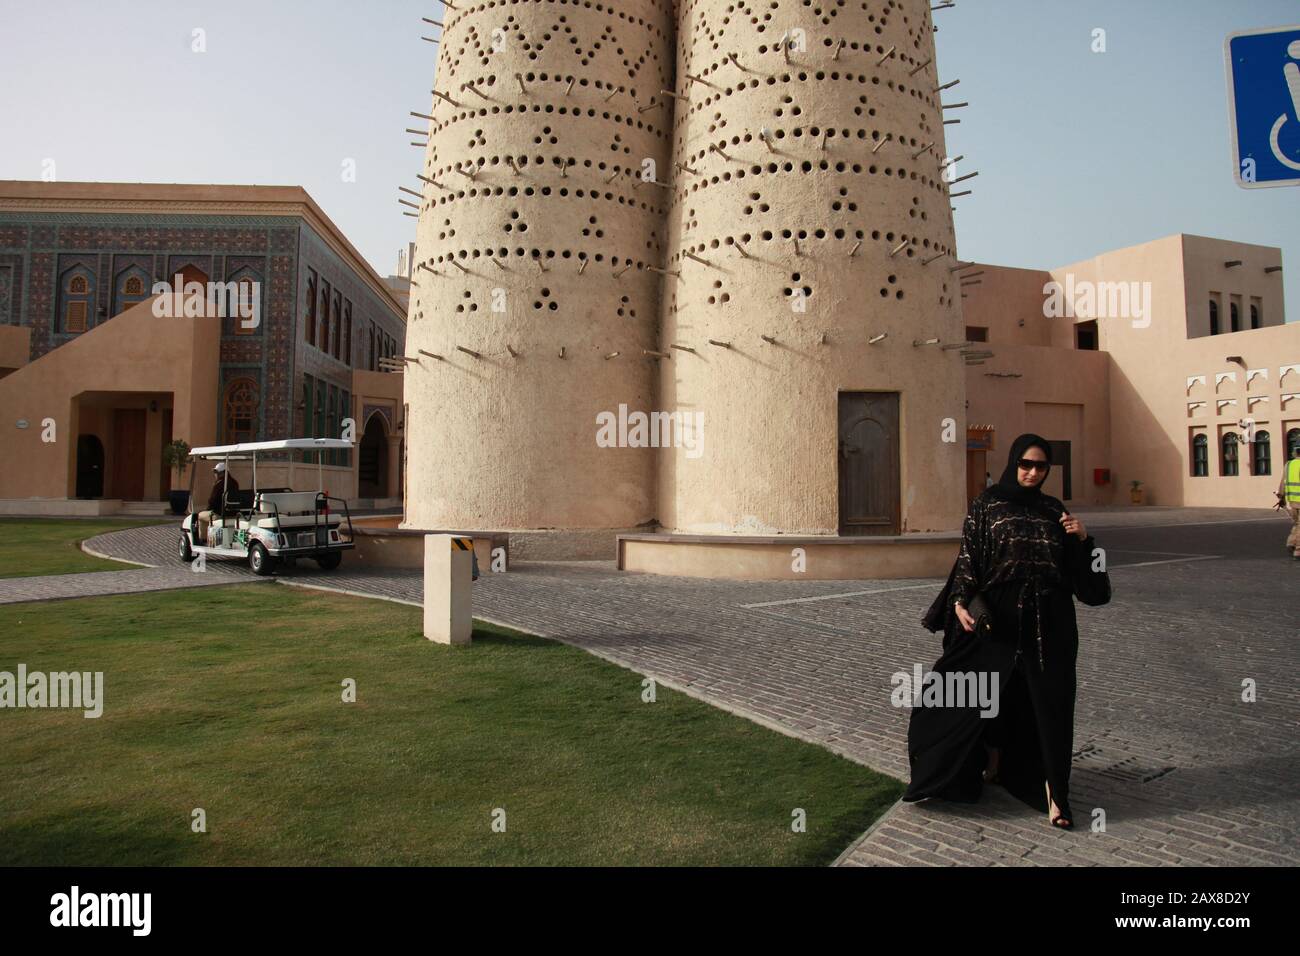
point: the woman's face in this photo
(1034, 478)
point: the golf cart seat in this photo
(237, 501)
(287, 503)
(295, 509)
(300, 521)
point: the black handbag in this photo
(978, 608)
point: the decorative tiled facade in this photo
(118, 256)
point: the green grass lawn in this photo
(229, 700)
(36, 546)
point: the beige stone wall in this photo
(137, 354)
(1061, 395)
(538, 207)
(770, 451)
(15, 347)
(1159, 379)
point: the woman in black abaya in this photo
(1028, 557)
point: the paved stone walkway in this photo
(56, 587)
(1183, 770)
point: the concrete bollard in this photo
(448, 607)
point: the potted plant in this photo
(1135, 492)
(175, 454)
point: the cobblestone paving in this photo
(56, 587)
(1183, 770)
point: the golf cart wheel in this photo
(259, 562)
(184, 550)
(328, 562)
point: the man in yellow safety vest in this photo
(1288, 491)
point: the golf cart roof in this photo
(247, 449)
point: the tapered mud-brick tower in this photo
(536, 298)
(813, 235)
(717, 208)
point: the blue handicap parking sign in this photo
(1264, 103)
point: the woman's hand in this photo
(967, 622)
(1073, 525)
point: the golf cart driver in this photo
(223, 484)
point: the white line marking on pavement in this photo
(836, 597)
(909, 587)
(1147, 564)
(1188, 524)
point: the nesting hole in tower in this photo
(797, 282)
(467, 306)
(546, 302)
(515, 225)
(788, 105)
(625, 309)
(590, 229)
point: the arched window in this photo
(1263, 454)
(1228, 450)
(239, 411)
(1292, 443)
(323, 334)
(1234, 314)
(347, 332)
(336, 321)
(244, 304)
(130, 287)
(77, 296)
(1200, 456)
(1254, 316)
(309, 332)
(1214, 317)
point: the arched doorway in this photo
(868, 463)
(90, 467)
(372, 461)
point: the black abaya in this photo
(1032, 650)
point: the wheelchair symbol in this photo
(1292, 73)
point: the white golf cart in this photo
(265, 526)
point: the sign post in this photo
(1263, 69)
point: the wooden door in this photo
(1058, 483)
(868, 463)
(128, 453)
(976, 470)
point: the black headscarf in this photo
(1008, 488)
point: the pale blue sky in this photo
(1078, 152)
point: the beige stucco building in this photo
(1176, 353)
(96, 378)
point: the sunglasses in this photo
(1030, 464)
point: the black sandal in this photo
(991, 776)
(1062, 820)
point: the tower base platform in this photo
(791, 557)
